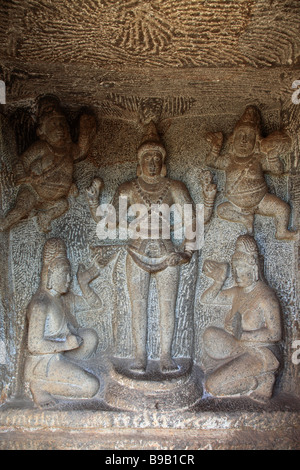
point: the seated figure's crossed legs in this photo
(63, 379)
(243, 370)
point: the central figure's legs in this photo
(167, 288)
(138, 281)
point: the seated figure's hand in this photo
(73, 341)
(215, 270)
(83, 275)
(228, 325)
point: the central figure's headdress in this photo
(151, 141)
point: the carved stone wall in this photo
(192, 68)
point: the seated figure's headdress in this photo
(246, 249)
(54, 249)
(54, 252)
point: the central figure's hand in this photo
(176, 259)
(93, 191)
(210, 191)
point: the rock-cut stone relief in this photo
(55, 340)
(249, 158)
(154, 256)
(246, 351)
(44, 172)
(245, 354)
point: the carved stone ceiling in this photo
(107, 51)
(181, 33)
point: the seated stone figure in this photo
(251, 156)
(55, 341)
(247, 348)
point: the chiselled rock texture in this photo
(159, 102)
(188, 33)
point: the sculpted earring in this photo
(163, 172)
(138, 170)
(49, 280)
(40, 132)
(255, 273)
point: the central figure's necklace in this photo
(144, 194)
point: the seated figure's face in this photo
(61, 278)
(244, 141)
(244, 274)
(56, 131)
(151, 163)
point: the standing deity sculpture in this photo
(154, 256)
(247, 350)
(45, 171)
(55, 340)
(249, 158)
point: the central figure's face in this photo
(244, 141)
(56, 131)
(151, 163)
(244, 274)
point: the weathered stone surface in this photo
(84, 430)
(191, 67)
(154, 33)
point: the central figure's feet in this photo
(139, 364)
(167, 364)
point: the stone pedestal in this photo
(153, 390)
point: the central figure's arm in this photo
(93, 193)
